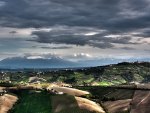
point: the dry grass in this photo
(118, 106)
(89, 105)
(6, 102)
(70, 91)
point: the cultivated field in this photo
(108, 93)
(118, 106)
(141, 102)
(31, 101)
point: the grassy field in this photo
(33, 102)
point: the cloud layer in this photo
(80, 36)
(116, 25)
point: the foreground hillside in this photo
(119, 88)
(112, 99)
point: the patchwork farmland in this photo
(100, 100)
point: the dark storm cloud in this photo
(121, 39)
(75, 36)
(127, 48)
(62, 47)
(13, 32)
(51, 47)
(47, 37)
(102, 45)
(114, 15)
(144, 33)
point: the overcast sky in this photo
(75, 29)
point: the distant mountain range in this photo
(23, 62)
(56, 62)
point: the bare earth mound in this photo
(6, 102)
(117, 106)
(71, 104)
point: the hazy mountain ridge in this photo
(23, 62)
(57, 62)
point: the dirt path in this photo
(140, 102)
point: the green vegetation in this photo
(105, 83)
(33, 102)
(122, 73)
